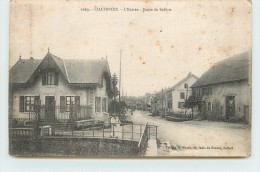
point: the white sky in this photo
(158, 48)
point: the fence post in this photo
(103, 129)
(93, 128)
(123, 127)
(84, 113)
(113, 131)
(140, 130)
(149, 131)
(156, 132)
(132, 131)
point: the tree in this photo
(116, 107)
(114, 84)
(190, 103)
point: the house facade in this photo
(223, 92)
(177, 95)
(59, 89)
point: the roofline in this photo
(219, 83)
(181, 81)
(82, 83)
(195, 76)
(63, 61)
(66, 70)
(85, 85)
(15, 64)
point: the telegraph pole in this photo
(165, 107)
(186, 97)
(120, 77)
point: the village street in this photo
(197, 138)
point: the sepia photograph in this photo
(130, 79)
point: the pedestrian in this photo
(113, 123)
(118, 128)
(115, 127)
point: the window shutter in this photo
(44, 79)
(21, 106)
(62, 104)
(36, 103)
(56, 78)
(77, 100)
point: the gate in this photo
(230, 106)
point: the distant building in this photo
(148, 101)
(58, 85)
(157, 104)
(223, 92)
(179, 93)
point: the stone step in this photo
(151, 148)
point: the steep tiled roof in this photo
(60, 64)
(23, 70)
(182, 81)
(85, 71)
(79, 71)
(232, 69)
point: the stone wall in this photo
(72, 146)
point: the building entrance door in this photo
(230, 106)
(50, 108)
(246, 113)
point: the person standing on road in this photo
(118, 128)
(115, 127)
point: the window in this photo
(181, 105)
(186, 85)
(200, 92)
(182, 95)
(101, 84)
(206, 90)
(169, 96)
(209, 106)
(98, 104)
(27, 103)
(169, 105)
(70, 101)
(104, 105)
(50, 78)
(221, 110)
(67, 102)
(209, 90)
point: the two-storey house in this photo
(223, 92)
(59, 89)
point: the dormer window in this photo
(50, 78)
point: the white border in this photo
(8, 163)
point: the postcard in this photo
(130, 79)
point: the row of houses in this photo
(222, 93)
(172, 100)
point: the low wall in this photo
(74, 146)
